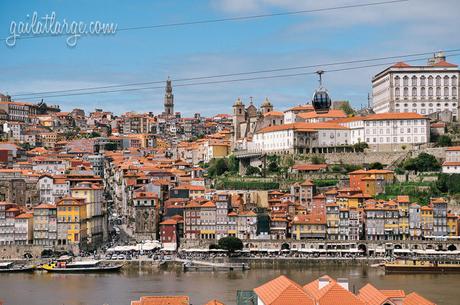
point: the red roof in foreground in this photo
(401, 64)
(162, 300)
(444, 63)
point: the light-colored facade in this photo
(452, 163)
(421, 89)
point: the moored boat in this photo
(89, 266)
(422, 266)
(11, 267)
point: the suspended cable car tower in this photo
(321, 101)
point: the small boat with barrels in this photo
(12, 267)
(85, 266)
(422, 266)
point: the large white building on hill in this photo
(420, 89)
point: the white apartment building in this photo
(388, 131)
(52, 188)
(452, 163)
(420, 89)
(299, 138)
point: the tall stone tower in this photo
(239, 117)
(169, 99)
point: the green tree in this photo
(233, 164)
(345, 107)
(360, 146)
(230, 243)
(376, 165)
(217, 167)
(444, 141)
(422, 163)
(252, 171)
(317, 159)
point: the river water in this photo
(120, 289)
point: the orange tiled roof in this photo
(400, 64)
(283, 291)
(162, 300)
(415, 299)
(371, 295)
(309, 167)
(444, 63)
(453, 148)
(214, 302)
(333, 113)
(394, 116)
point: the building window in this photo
(438, 80)
(438, 91)
(454, 91)
(422, 81)
(397, 80)
(414, 92)
(430, 80)
(405, 81)
(397, 92)
(446, 80)
(430, 91)
(414, 81)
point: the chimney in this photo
(323, 282)
(343, 282)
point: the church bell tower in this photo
(169, 99)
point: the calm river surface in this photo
(120, 289)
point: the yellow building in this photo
(92, 194)
(71, 215)
(403, 203)
(427, 221)
(452, 225)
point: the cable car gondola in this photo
(321, 100)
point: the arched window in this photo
(446, 80)
(414, 91)
(406, 81)
(414, 81)
(438, 80)
(422, 80)
(397, 79)
(454, 91)
(423, 92)
(446, 91)
(430, 91)
(397, 91)
(430, 80)
(438, 91)
(454, 80)
(406, 91)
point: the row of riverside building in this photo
(76, 221)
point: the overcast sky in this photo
(48, 63)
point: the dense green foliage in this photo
(360, 146)
(246, 184)
(443, 141)
(325, 182)
(231, 244)
(449, 183)
(345, 107)
(318, 159)
(422, 163)
(419, 192)
(376, 165)
(252, 171)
